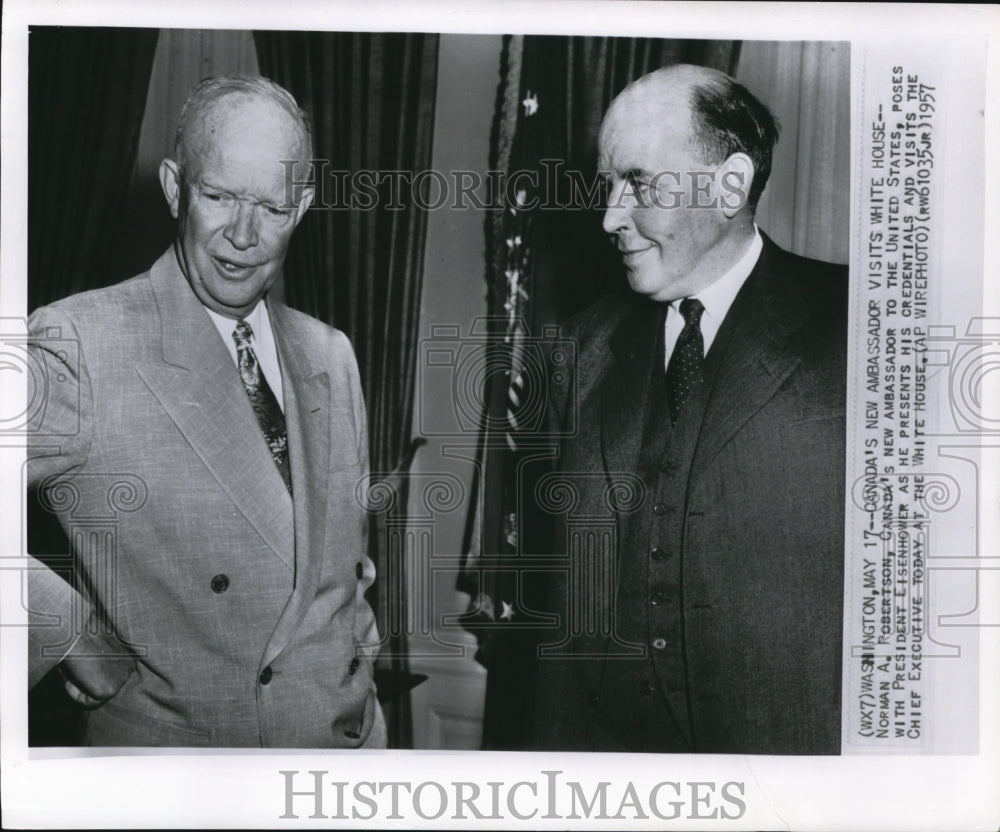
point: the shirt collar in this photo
(257, 318)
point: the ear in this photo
(170, 182)
(305, 200)
(735, 178)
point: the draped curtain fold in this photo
(806, 206)
(371, 100)
(546, 263)
(86, 96)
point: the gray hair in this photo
(213, 89)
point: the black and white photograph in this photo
(386, 392)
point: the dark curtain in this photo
(360, 267)
(549, 260)
(86, 95)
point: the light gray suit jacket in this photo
(244, 607)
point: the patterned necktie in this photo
(265, 405)
(684, 367)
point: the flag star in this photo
(508, 611)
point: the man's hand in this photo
(95, 670)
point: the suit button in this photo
(265, 675)
(595, 700)
(659, 644)
(657, 598)
(352, 668)
(220, 583)
(656, 553)
(646, 688)
(359, 570)
(668, 467)
(661, 508)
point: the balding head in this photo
(722, 117)
(662, 92)
(226, 101)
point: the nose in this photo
(617, 212)
(241, 230)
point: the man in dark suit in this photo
(219, 437)
(702, 607)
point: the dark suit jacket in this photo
(759, 521)
(245, 608)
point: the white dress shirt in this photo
(716, 298)
(262, 342)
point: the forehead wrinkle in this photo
(239, 120)
(653, 114)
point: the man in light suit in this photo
(710, 404)
(222, 601)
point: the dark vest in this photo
(645, 702)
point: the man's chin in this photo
(230, 300)
(647, 285)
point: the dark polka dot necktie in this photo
(684, 368)
(262, 399)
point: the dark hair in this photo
(725, 119)
(217, 87)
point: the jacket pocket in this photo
(114, 724)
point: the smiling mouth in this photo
(232, 269)
(630, 254)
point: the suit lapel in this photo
(626, 385)
(751, 356)
(307, 393)
(199, 388)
